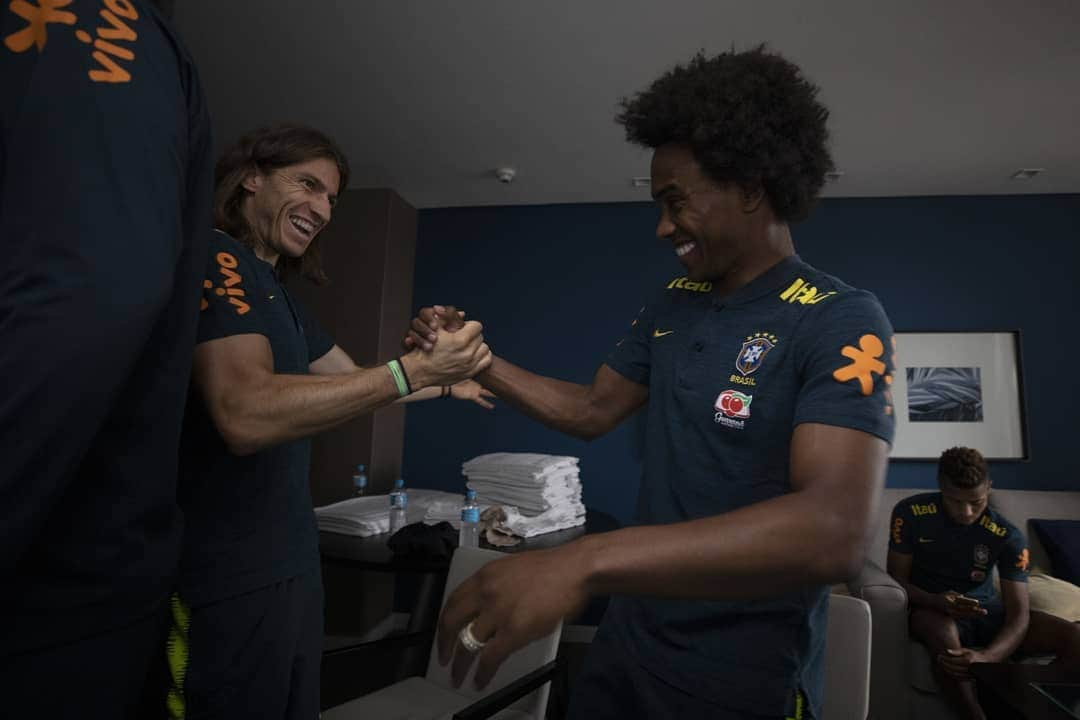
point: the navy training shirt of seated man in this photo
(944, 548)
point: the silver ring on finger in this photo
(470, 641)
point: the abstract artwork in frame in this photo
(959, 388)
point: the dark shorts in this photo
(255, 655)
(118, 675)
(612, 685)
(981, 631)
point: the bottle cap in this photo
(399, 483)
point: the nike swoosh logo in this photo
(657, 333)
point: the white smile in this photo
(681, 250)
(305, 226)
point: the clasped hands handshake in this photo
(447, 350)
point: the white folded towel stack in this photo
(366, 516)
(545, 489)
(362, 516)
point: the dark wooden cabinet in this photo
(368, 252)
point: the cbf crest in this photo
(753, 352)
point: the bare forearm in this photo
(288, 407)
(1008, 638)
(1014, 596)
(917, 597)
(765, 549)
(561, 405)
(428, 393)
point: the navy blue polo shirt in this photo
(949, 556)
(106, 184)
(248, 520)
(729, 378)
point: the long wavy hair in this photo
(265, 150)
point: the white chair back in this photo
(847, 659)
(465, 562)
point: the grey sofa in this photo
(901, 683)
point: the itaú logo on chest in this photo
(733, 407)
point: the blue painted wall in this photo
(555, 286)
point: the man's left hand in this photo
(474, 391)
(510, 603)
(958, 662)
(423, 330)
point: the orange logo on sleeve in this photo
(107, 50)
(897, 527)
(865, 363)
(37, 18)
(227, 265)
(1023, 560)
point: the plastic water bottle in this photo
(469, 535)
(399, 501)
(360, 481)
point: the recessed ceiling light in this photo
(640, 181)
(834, 175)
(1027, 173)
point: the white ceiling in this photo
(928, 97)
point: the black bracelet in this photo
(447, 391)
(405, 375)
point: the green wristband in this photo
(399, 377)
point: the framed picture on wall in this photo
(959, 388)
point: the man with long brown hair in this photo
(265, 379)
(943, 548)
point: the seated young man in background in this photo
(943, 547)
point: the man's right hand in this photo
(454, 356)
(423, 332)
(956, 605)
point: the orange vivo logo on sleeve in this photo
(111, 41)
(865, 363)
(1023, 560)
(897, 529)
(231, 285)
(37, 17)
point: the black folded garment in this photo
(427, 541)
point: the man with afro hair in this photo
(943, 548)
(764, 382)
